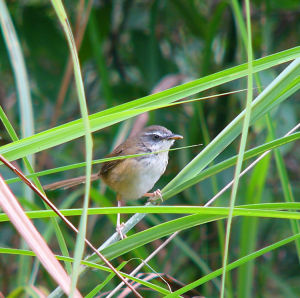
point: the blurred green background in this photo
(127, 48)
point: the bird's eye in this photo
(156, 137)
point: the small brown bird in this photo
(132, 178)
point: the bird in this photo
(133, 178)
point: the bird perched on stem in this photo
(132, 178)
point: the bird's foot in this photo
(119, 229)
(153, 196)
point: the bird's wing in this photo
(126, 148)
(108, 165)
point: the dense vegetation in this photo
(128, 50)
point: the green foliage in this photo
(128, 47)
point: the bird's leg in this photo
(120, 225)
(154, 195)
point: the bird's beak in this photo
(175, 137)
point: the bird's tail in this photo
(69, 182)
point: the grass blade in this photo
(282, 87)
(34, 240)
(234, 265)
(72, 130)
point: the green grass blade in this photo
(201, 176)
(87, 264)
(74, 129)
(275, 93)
(242, 148)
(228, 163)
(234, 265)
(261, 210)
(80, 243)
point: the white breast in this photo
(148, 170)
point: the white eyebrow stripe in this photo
(155, 133)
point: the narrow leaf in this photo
(35, 241)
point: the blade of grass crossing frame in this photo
(185, 222)
(81, 237)
(283, 86)
(254, 190)
(260, 210)
(201, 176)
(74, 129)
(242, 148)
(80, 244)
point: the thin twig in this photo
(64, 219)
(137, 269)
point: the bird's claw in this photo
(119, 229)
(156, 195)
